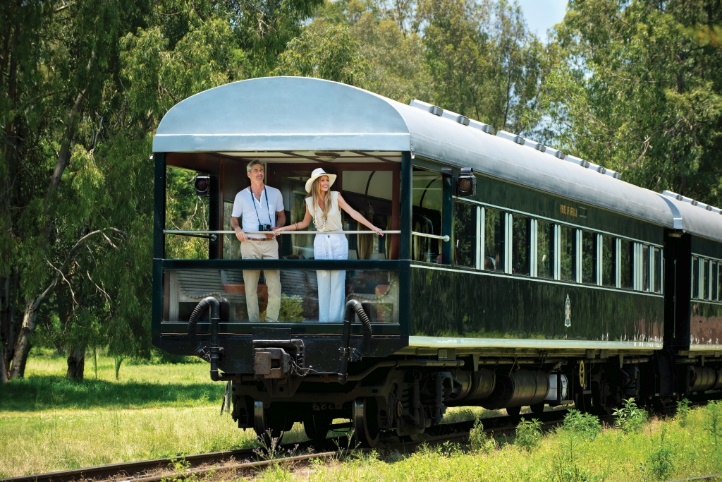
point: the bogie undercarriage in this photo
(405, 397)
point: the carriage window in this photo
(231, 246)
(645, 267)
(566, 253)
(625, 263)
(369, 193)
(702, 278)
(608, 261)
(545, 249)
(521, 244)
(494, 239)
(695, 277)
(657, 270)
(465, 240)
(713, 267)
(426, 218)
(719, 281)
(589, 257)
(185, 211)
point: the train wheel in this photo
(513, 411)
(365, 422)
(269, 423)
(606, 394)
(537, 408)
(317, 426)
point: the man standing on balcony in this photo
(260, 208)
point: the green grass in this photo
(48, 423)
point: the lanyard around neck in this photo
(253, 200)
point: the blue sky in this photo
(541, 15)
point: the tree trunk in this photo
(22, 344)
(3, 370)
(5, 328)
(76, 364)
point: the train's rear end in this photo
(297, 369)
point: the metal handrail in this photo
(444, 238)
(187, 232)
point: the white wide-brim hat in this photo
(318, 172)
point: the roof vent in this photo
(613, 174)
(576, 160)
(461, 119)
(512, 137)
(434, 109)
(691, 201)
(481, 126)
(535, 145)
(555, 152)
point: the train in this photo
(510, 275)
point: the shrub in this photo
(714, 409)
(660, 462)
(582, 424)
(528, 434)
(682, 411)
(479, 440)
(630, 418)
(577, 427)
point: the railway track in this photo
(247, 461)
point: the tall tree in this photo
(323, 50)
(393, 52)
(638, 89)
(60, 64)
(484, 62)
(264, 27)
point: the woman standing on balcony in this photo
(324, 207)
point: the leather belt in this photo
(260, 239)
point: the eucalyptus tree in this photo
(637, 89)
(264, 28)
(56, 65)
(393, 51)
(323, 50)
(81, 107)
(484, 62)
(358, 42)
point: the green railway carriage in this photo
(510, 274)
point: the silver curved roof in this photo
(693, 217)
(282, 113)
(298, 114)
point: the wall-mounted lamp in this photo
(466, 182)
(203, 185)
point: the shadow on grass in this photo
(55, 392)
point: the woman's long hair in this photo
(315, 196)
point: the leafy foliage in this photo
(479, 440)
(630, 418)
(582, 424)
(637, 88)
(683, 409)
(661, 461)
(528, 434)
